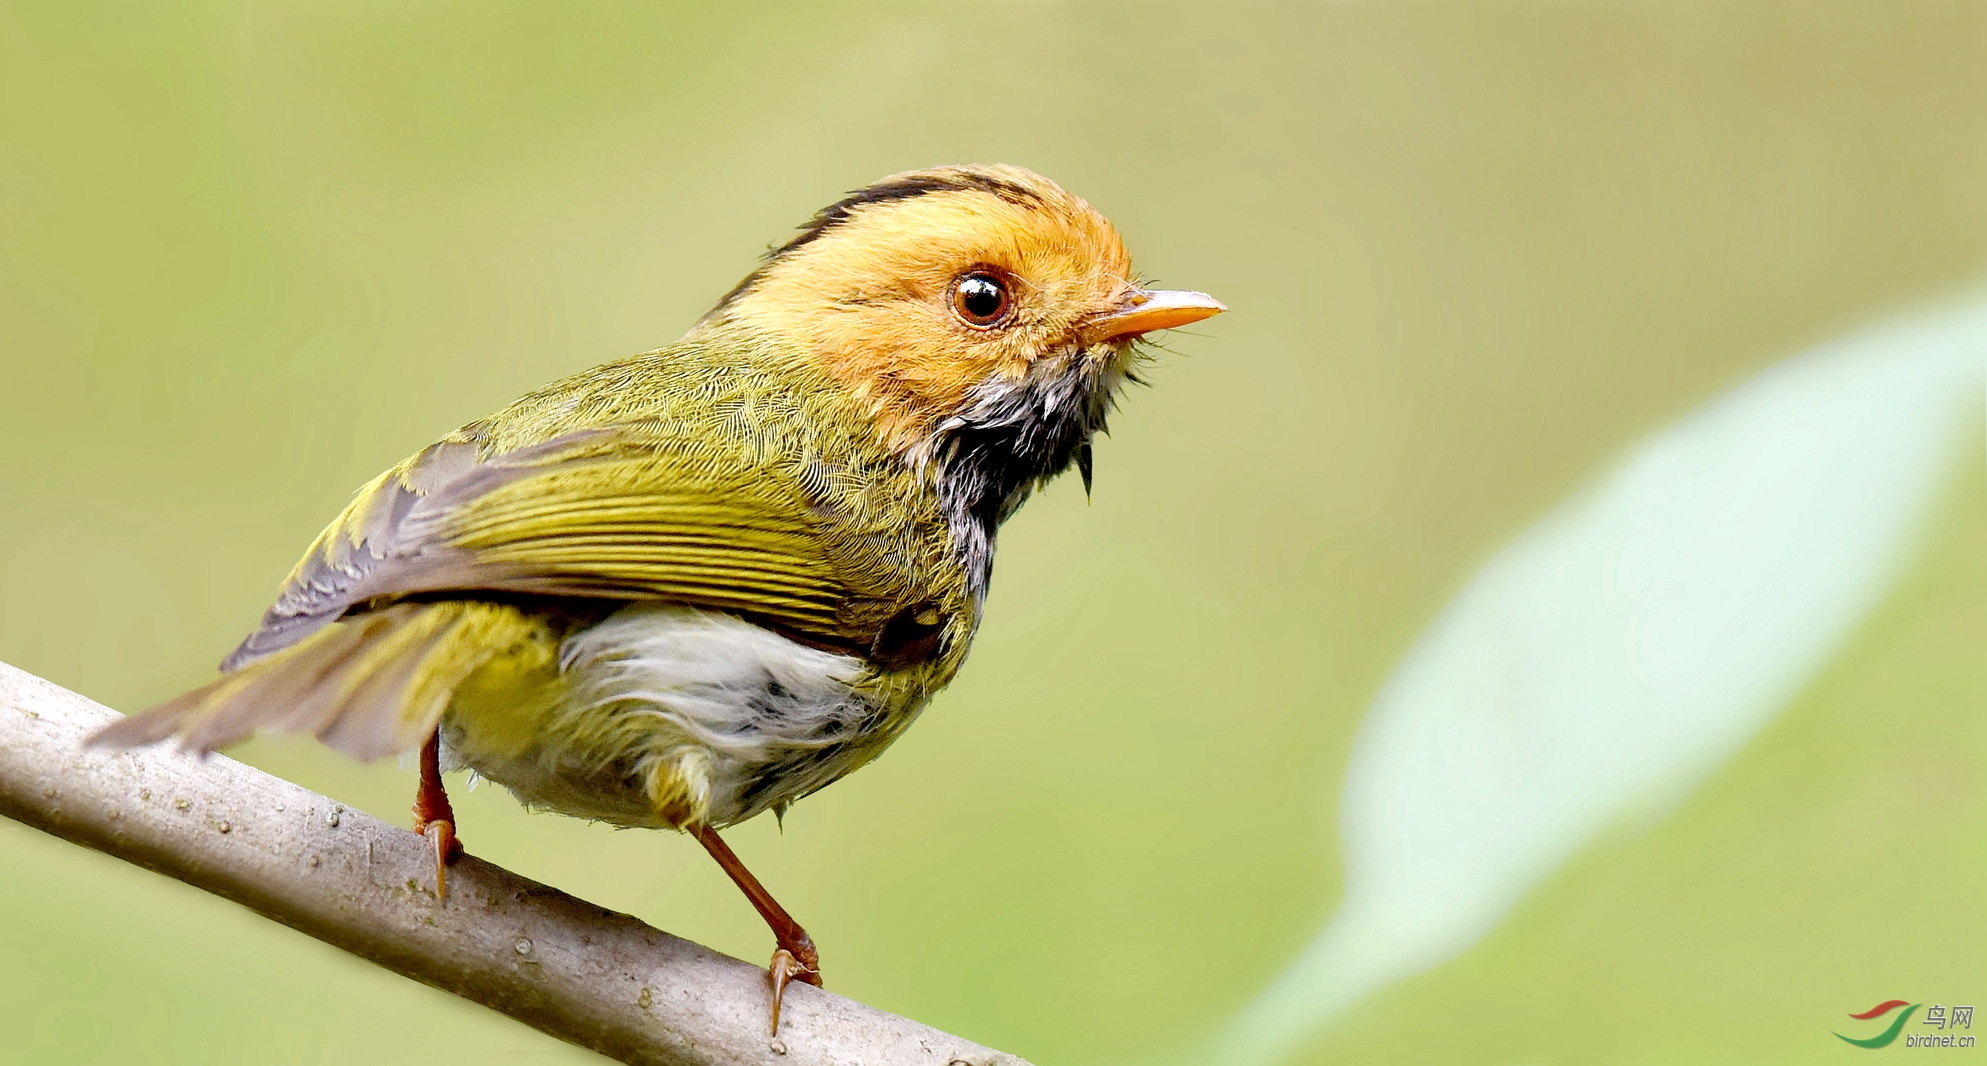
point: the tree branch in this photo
(566, 967)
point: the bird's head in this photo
(983, 316)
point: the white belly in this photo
(659, 703)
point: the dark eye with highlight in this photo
(980, 298)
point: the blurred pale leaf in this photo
(1627, 643)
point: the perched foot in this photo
(796, 959)
(433, 817)
(787, 967)
(447, 850)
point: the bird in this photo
(689, 587)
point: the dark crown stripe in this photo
(902, 187)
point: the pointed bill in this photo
(1145, 310)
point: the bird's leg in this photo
(433, 817)
(795, 959)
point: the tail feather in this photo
(372, 685)
(397, 702)
(296, 692)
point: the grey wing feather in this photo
(383, 544)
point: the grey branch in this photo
(576, 971)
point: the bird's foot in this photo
(433, 817)
(796, 959)
(792, 962)
(441, 831)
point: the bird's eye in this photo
(980, 298)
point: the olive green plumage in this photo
(720, 473)
(693, 585)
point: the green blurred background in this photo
(252, 253)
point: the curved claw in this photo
(786, 967)
(442, 832)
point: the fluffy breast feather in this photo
(671, 716)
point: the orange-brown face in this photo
(921, 289)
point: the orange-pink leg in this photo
(433, 817)
(795, 958)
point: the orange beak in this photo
(1145, 310)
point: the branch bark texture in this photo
(581, 973)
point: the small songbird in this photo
(686, 588)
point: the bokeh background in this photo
(252, 253)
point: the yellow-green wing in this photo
(601, 513)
